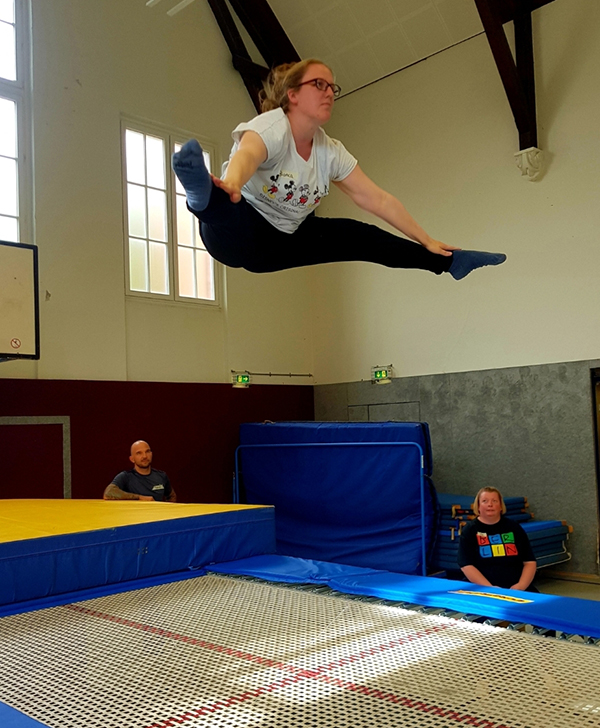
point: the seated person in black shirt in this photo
(493, 550)
(143, 483)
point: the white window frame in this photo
(171, 137)
(20, 91)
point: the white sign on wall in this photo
(19, 302)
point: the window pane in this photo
(207, 160)
(155, 159)
(8, 187)
(158, 268)
(205, 276)
(134, 153)
(8, 58)
(186, 223)
(136, 207)
(8, 128)
(138, 265)
(9, 229)
(157, 214)
(186, 272)
(7, 10)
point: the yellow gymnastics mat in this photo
(54, 547)
(35, 518)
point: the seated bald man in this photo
(143, 482)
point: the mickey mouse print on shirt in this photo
(272, 189)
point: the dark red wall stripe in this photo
(31, 461)
(192, 428)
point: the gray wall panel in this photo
(331, 403)
(526, 430)
(358, 413)
(396, 412)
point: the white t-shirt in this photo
(286, 188)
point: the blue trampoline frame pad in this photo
(53, 547)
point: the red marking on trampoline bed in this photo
(299, 673)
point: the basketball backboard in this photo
(19, 302)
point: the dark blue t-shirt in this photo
(156, 484)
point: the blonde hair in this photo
(487, 489)
(282, 79)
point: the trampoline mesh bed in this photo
(222, 652)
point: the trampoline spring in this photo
(470, 618)
(394, 605)
(565, 636)
(546, 632)
(541, 631)
(517, 626)
(450, 614)
(433, 611)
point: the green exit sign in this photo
(242, 379)
(381, 375)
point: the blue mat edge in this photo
(13, 718)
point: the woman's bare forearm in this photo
(475, 576)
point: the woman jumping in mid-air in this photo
(258, 216)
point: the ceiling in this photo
(365, 40)
(362, 40)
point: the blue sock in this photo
(465, 261)
(188, 165)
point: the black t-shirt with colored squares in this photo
(498, 550)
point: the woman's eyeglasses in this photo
(323, 85)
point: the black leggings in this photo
(240, 237)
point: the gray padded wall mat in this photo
(525, 430)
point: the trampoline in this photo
(112, 620)
(216, 651)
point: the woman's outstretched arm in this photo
(370, 197)
(248, 157)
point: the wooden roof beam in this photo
(509, 9)
(266, 33)
(517, 78)
(239, 54)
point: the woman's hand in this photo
(436, 246)
(234, 191)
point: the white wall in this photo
(440, 135)
(93, 62)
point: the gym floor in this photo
(563, 588)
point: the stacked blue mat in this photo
(548, 538)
